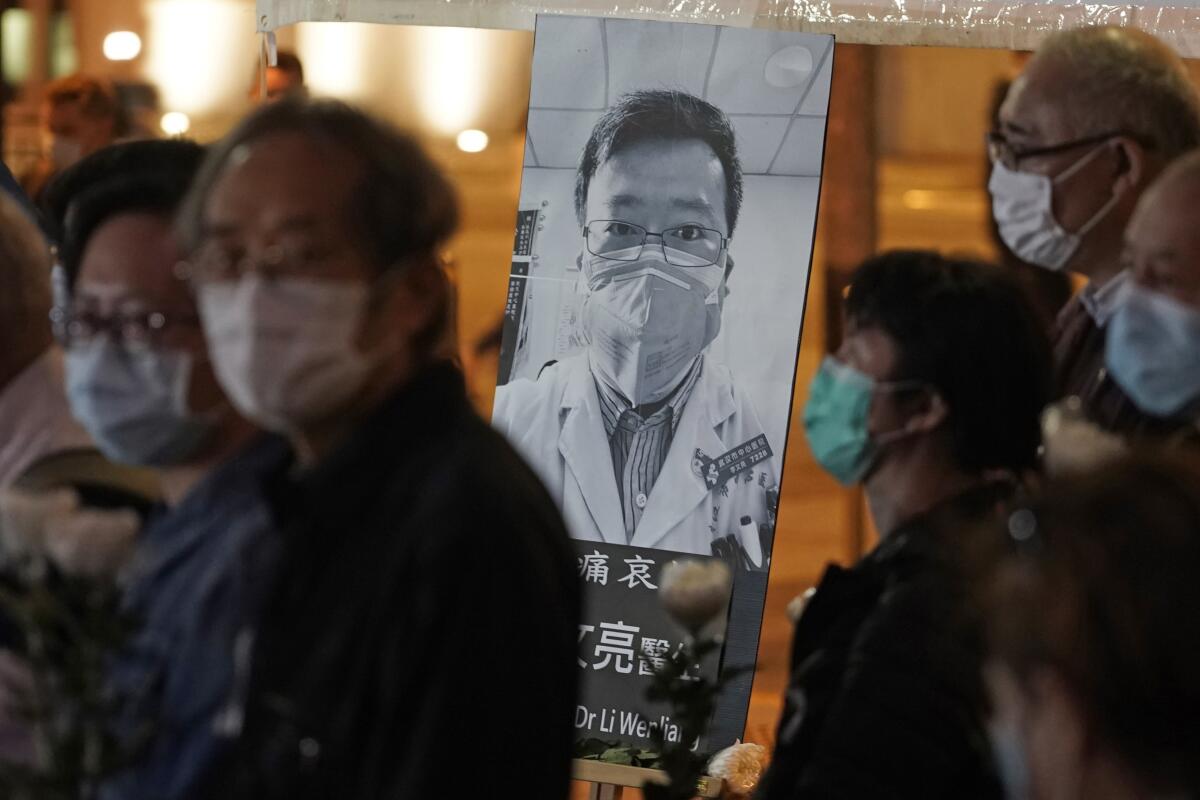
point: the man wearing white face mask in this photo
(1095, 116)
(633, 436)
(413, 535)
(1153, 347)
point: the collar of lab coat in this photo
(678, 489)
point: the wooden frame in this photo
(609, 780)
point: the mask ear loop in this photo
(888, 437)
(1104, 210)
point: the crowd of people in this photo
(341, 563)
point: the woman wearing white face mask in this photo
(138, 379)
(1094, 616)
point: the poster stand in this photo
(609, 781)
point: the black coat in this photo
(886, 698)
(421, 638)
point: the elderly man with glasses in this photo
(642, 439)
(1095, 116)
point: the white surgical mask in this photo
(63, 152)
(134, 402)
(1023, 207)
(646, 321)
(1152, 351)
(284, 349)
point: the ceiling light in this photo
(122, 46)
(789, 67)
(472, 141)
(175, 123)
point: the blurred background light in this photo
(16, 45)
(472, 141)
(335, 57)
(200, 53)
(455, 65)
(122, 46)
(175, 123)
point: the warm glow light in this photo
(334, 57)
(200, 53)
(453, 69)
(472, 141)
(122, 46)
(175, 123)
(16, 44)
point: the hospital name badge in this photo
(716, 471)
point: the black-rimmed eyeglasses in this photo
(1002, 151)
(682, 246)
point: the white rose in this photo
(23, 517)
(694, 593)
(87, 542)
(797, 604)
(740, 766)
(1073, 444)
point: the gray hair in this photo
(24, 277)
(405, 206)
(1122, 79)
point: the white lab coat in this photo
(556, 424)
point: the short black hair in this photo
(176, 159)
(664, 115)
(966, 329)
(404, 205)
(135, 177)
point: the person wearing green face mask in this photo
(932, 404)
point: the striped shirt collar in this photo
(1101, 302)
(614, 406)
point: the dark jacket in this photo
(420, 641)
(886, 698)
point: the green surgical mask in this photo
(835, 419)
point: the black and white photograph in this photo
(659, 271)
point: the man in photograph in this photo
(641, 438)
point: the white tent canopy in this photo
(963, 23)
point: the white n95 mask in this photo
(284, 350)
(1023, 207)
(1152, 351)
(646, 321)
(134, 404)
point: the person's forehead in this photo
(683, 172)
(1168, 220)
(132, 254)
(280, 174)
(1037, 102)
(278, 78)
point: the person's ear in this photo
(1131, 169)
(405, 300)
(931, 413)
